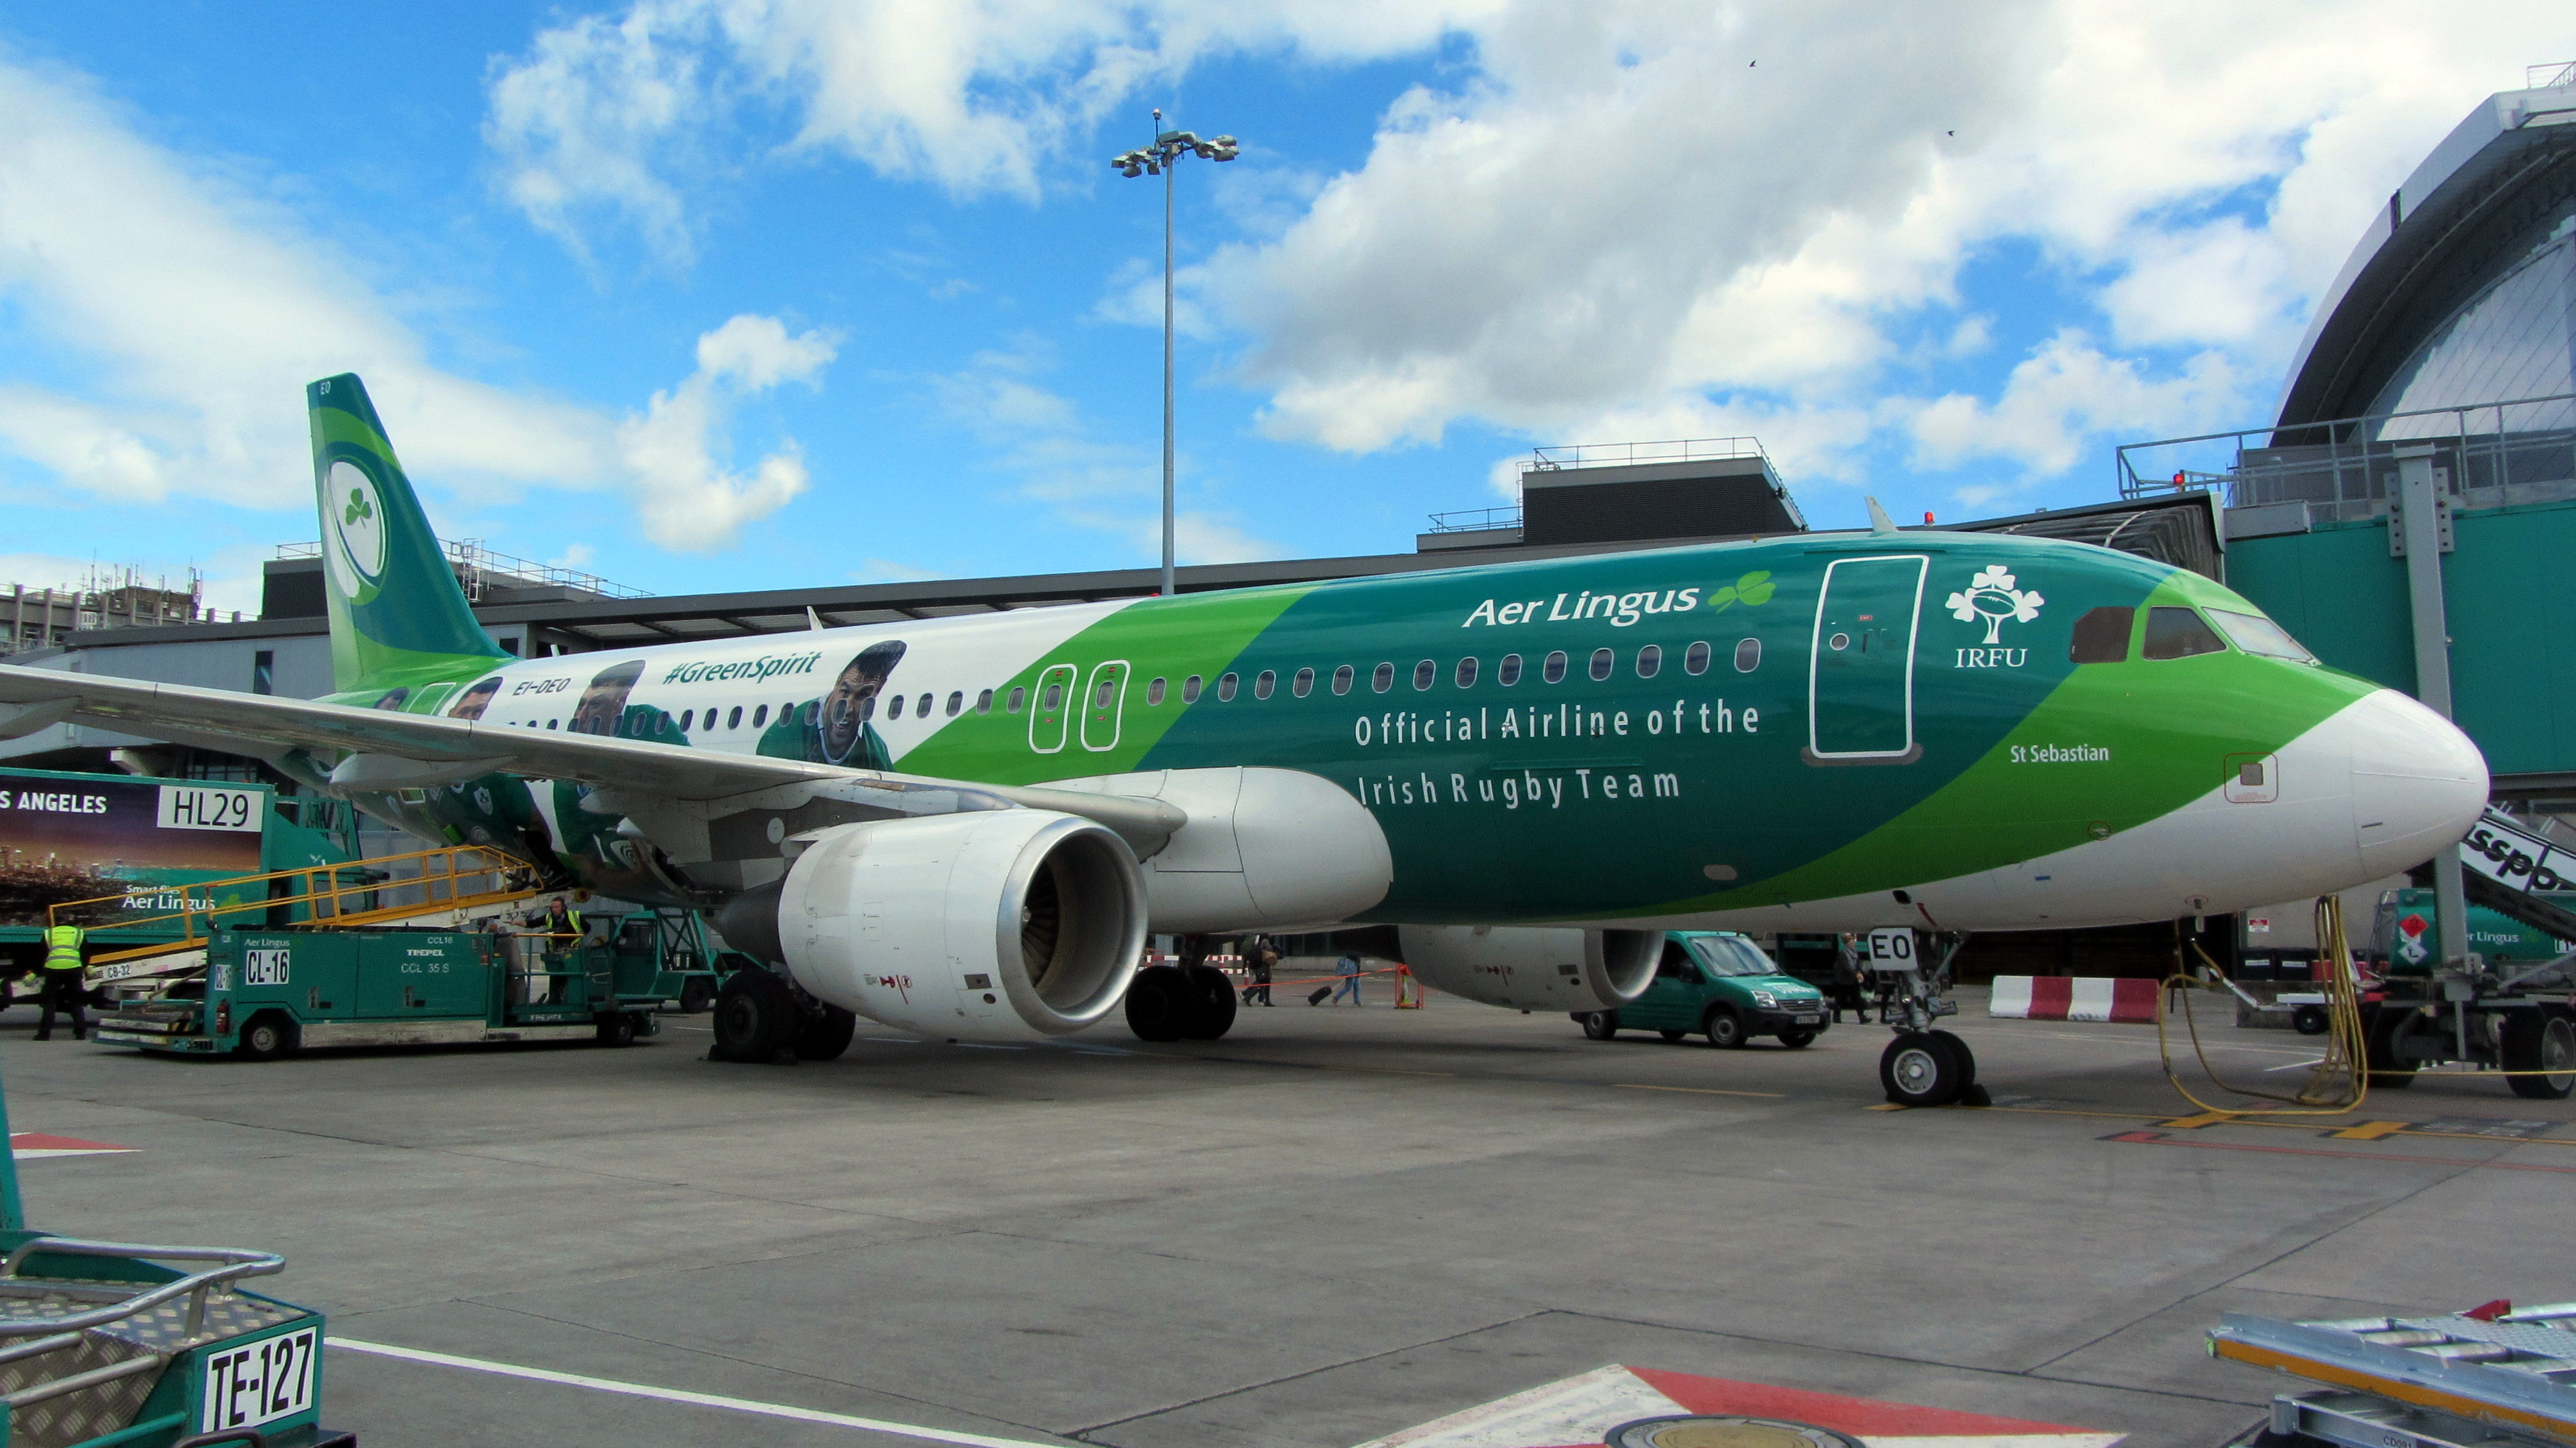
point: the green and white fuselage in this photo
(1771, 734)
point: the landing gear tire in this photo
(2310, 1021)
(1212, 1003)
(1601, 1025)
(697, 995)
(268, 1037)
(2537, 1042)
(2379, 1049)
(1725, 1029)
(1797, 1040)
(1158, 1003)
(824, 1036)
(756, 1017)
(1920, 1068)
(617, 1029)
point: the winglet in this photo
(1879, 522)
(813, 620)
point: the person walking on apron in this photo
(1349, 971)
(63, 984)
(1265, 957)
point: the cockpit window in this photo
(2256, 634)
(1732, 955)
(2102, 636)
(2178, 633)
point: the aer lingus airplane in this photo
(966, 827)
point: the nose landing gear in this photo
(1922, 1066)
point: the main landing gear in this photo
(1191, 1001)
(760, 1018)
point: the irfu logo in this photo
(1991, 596)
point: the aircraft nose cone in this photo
(2418, 784)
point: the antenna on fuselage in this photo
(1879, 522)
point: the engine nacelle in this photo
(1534, 968)
(995, 925)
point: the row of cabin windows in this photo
(1508, 671)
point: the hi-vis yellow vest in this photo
(62, 947)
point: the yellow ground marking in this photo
(2206, 1118)
(1704, 1091)
(2374, 1130)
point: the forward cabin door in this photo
(1860, 674)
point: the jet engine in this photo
(996, 925)
(1534, 968)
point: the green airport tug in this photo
(265, 994)
(1720, 985)
(109, 1345)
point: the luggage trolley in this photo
(2491, 1377)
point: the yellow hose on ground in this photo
(2338, 1083)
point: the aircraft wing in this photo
(386, 750)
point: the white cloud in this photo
(2065, 392)
(202, 312)
(686, 501)
(1115, 488)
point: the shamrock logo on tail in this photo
(1749, 590)
(1991, 596)
(358, 508)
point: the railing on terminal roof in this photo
(478, 567)
(1630, 454)
(1475, 520)
(2503, 452)
(2553, 76)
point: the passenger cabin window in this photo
(2102, 636)
(1748, 655)
(1054, 699)
(984, 700)
(732, 720)
(894, 707)
(1154, 693)
(1554, 669)
(1264, 684)
(1342, 678)
(867, 710)
(1303, 684)
(1190, 689)
(1382, 678)
(1425, 674)
(1603, 661)
(1650, 661)
(1226, 684)
(1100, 697)
(687, 717)
(1467, 672)
(1695, 659)
(922, 707)
(1012, 704)
(956, 702)
(1508, 672)
(760, 716)
(2178, 633)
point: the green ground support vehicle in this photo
(103, 1344)
(1721, 985)
(265, 994)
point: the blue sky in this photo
(703, 295)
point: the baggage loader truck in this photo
(266, 994)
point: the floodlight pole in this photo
(1159, 159)
(1171, 166)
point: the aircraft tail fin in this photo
(397, 615)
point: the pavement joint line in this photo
(682, 1395)
(2256, 1118)
(1702, 1090)
(2151, 1138)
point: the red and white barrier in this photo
(2073, 998)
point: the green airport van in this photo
(1718, 984)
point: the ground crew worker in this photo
(64, 987)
